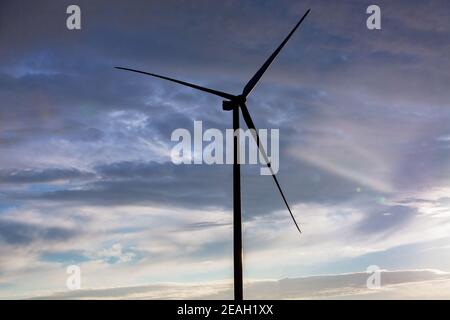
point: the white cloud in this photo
(414, 284)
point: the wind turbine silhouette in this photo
(234, 103)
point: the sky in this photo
(86, 176)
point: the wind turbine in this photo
(235, 103)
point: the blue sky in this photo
(85, 176)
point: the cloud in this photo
(402, 284)
(42, 175)
(387, 218)
(17, 233)
(136, 182)
(116, 254)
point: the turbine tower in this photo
(235, 103)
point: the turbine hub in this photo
(228, 105)
(241, 99)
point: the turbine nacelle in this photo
(229, 105)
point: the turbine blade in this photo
(248, 120)
(253, 81)
(212, 91)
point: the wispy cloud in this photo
(414, 284)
